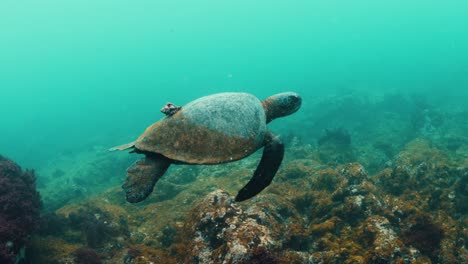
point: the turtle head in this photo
(281, 104)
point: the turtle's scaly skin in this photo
(213, 129)
(279, 105)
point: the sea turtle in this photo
(214, 129)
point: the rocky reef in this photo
(19, 210)
(362, 182)
(63, 180)
(412, 211)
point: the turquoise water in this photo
(383, 125)
(82, 73)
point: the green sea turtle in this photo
(214, 129)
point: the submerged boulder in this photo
(221, 231)
(19, 210)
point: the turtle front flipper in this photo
(273, 153)
(143, 175)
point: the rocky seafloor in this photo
(390, 190)
(411, 211)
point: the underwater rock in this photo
(334, 147)
(417, 167)
(412, 211)
(97, 227)
(379, 236)
(220, 231)
(86, 256)
(423, 234)
(19, 210)
(52, 224)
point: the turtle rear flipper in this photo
(273, 153)
(143, 175)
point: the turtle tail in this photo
(123, 147)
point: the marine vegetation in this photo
(314, 213)
(20, 205)
(86, 256)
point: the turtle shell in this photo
(213, 129)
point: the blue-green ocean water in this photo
(75, 74)
(378, 151)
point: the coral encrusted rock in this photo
(19, 210)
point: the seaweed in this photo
(86, 256)
(424, 234)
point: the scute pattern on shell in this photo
(213, 129)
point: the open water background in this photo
(77, 74)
